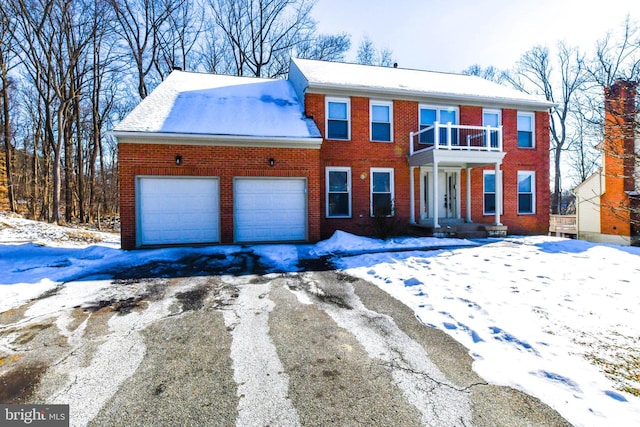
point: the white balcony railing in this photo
(456, 137)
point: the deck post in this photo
(468, 195)
(498, 183)
(412, 196)
(434, 194)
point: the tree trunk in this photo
(6, 131)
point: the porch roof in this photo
(458, 158)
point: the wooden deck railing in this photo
(563, 224)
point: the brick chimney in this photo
(619, 158)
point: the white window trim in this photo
(532, 174)
(391, 173)
(326, 115)
(492, 111)
(484, 209)
(337, 169)
(533, 128)
(438, 108)
(389, 104)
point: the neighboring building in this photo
(608, 202)
(208, 158)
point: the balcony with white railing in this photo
(450, 137)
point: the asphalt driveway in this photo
(202, 347)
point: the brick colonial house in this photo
(209, 158)
(608, 202)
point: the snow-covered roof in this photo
(311, 75)
(189, 103)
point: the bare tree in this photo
(325, 47)
(617, 56)
(178, 37)
(490, 73)
(368, 54)
(536, 72)
(8, 61)
(261, 34)
(139, 23)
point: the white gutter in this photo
(131, 137)
(322, 88)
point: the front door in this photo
(447, 194)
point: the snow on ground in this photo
(555, 318)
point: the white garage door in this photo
(178, 210)
(270, 210)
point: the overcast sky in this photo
(451, 35)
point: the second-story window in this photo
(492, 118)
(338, 117)
(381, 114)
(525, 130)
(430, 114)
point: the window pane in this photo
(427, 117)
(491, 119)
(339, 204)
(525, 123)
(525, 203)
(381, 182)
(427, 136)
(489, 183)
(525, 139)
(338, 129)
(447, 116)
(380, 113)
(489, 203)
(524, 183)
(381, 132)
(381, 204)
(338, 110)
(338, 181)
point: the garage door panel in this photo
(176, 210)
(270, 209)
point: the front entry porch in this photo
(438, 169)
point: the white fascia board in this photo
(125, 137)
(409, 95)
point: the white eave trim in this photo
(339, 90)
(129, 137)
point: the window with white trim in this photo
(381, 116)
(338, 113)
(338, 184)
(526, 126)
(492, 118)
(489, 193)
(526, 192)
(382, 192)
(428, 114)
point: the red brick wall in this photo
(619, 160)
(360, 154)
(222, 162)
(518, 159)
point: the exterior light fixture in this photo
(272, 162)
(178, 160)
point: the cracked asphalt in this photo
(312, 348)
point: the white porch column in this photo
(498, 178)
(434, 194)
(458, 194)
(468, 194)
(412, 196)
